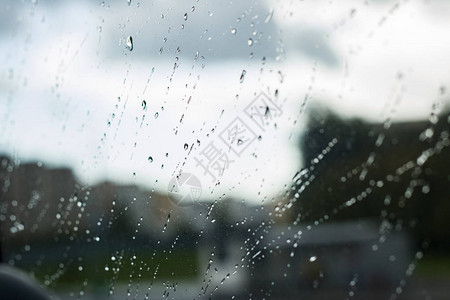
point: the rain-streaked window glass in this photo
(224, 149)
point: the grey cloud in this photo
(313, 43)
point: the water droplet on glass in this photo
(186, 146)
(250, 42)
(192, 8)
(156, 115)
(185, 16)
(269, 16)
(129, 2)
(150, 159)
(130, 43)
(241, 79)
(233, 31)
(313, 258)
(144, 104)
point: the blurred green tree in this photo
(397, 172)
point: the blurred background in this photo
(226, 150)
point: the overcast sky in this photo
(65, 64)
